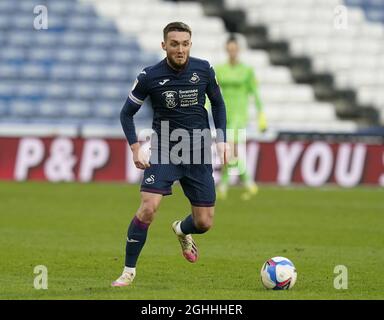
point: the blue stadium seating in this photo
(78, 71)
(51, 109)
(3, 108)
(105, 110)
(23, 108)
(76, 109)
(373, 9)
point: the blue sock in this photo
(137, 234)
(187, 226)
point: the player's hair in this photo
(176, 26)
(232, 38)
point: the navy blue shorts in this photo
(195, 179)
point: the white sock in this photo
(130, 270)
(178, 230)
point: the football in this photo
(278, 273)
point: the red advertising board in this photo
(310, 163)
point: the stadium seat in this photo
(34, 71)
(84, 72)
(277, 75)
(92, 55)
(116, 91)
(85, 91)
(106, 109)
(76, 109)
(9, 71)
(52, 109)
(33, 91)
(4, 21)
(70, 55)
(63, 72)
(7, 90)
(3, 108)
(8, 6)
(23, 108)
(58, 90)
(45, 39)
(44, 56)
(75, 39)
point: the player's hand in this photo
(262, 122)
(224, 152)
(140, 158)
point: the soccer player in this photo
(177, 86)
(238, 84)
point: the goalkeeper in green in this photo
(238, 84)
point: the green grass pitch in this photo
(78, 232)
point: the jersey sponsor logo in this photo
(188, 97)
(170, 99)
(195, 78)
(150, 179)
(164, 81)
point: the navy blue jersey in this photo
(177, 97)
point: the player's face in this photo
(177, 46)
(233, 50)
